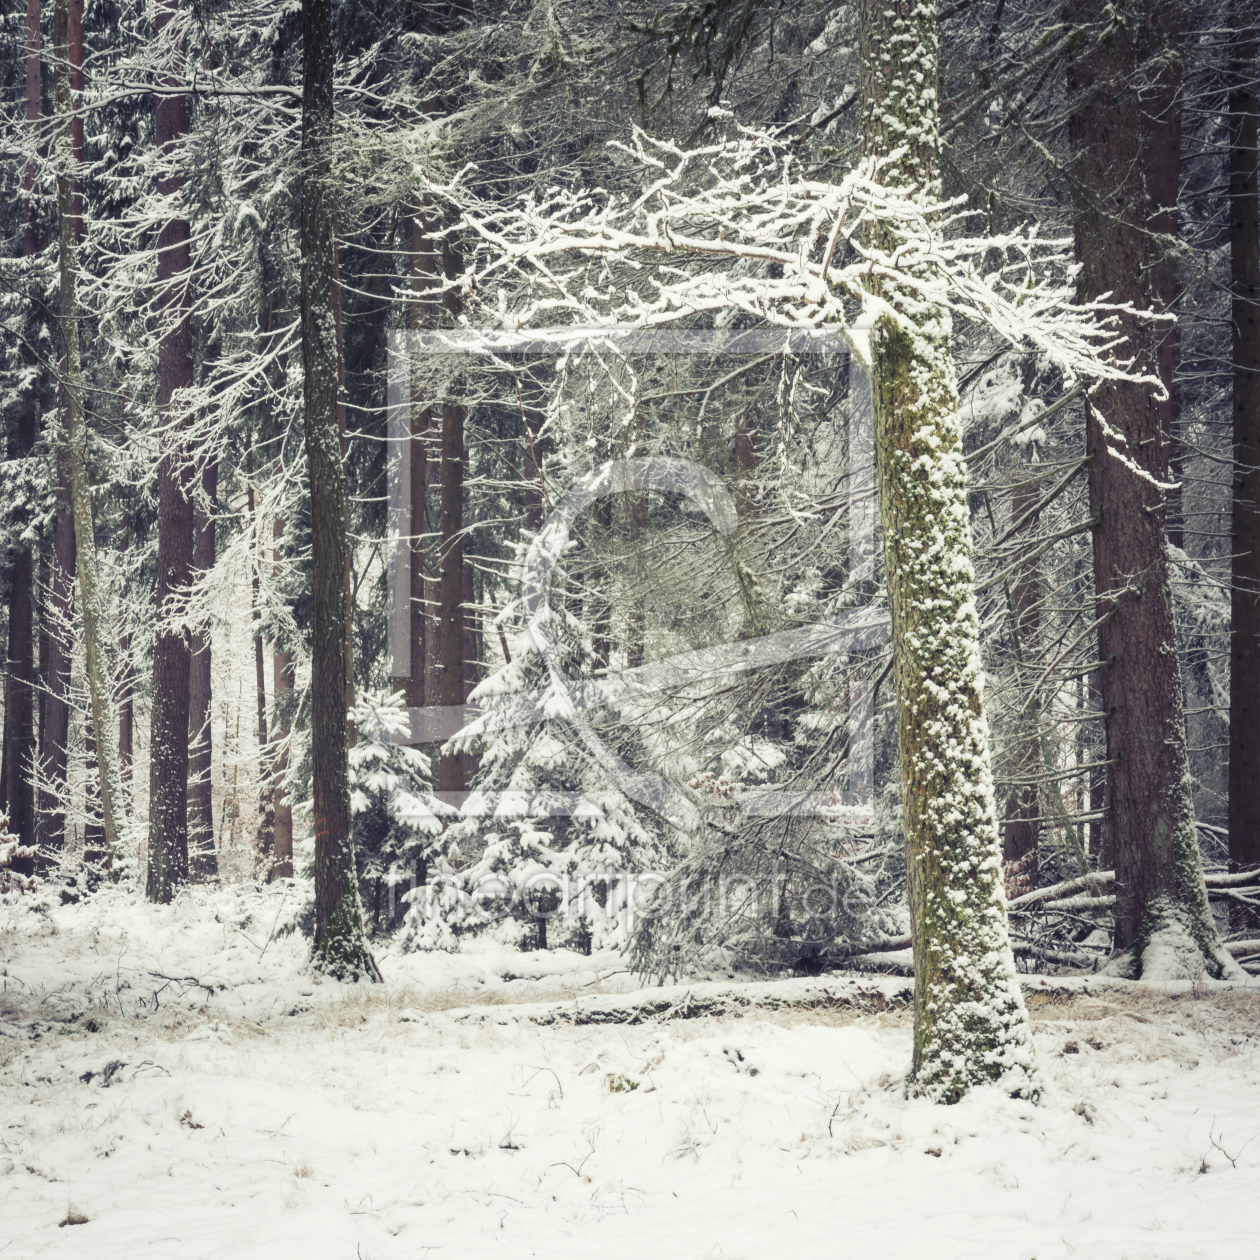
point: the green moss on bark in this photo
(342, 951)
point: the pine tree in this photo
(396, 814)
(558, 839)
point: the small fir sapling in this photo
(11, 850)
(558, 839)
(396, 817)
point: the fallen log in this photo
(1094, 880)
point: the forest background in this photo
(223, 534)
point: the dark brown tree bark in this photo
(126, 687)
(19, 713)
(20, 709)
(203, 863)
(1244, 240)
(746, 455)
(341, 442)
(168, 744)
(1164, 30)
(340, 944)
(472, 657)
(1149, 833)
(43, 584)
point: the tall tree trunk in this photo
(203, 864)
(58, 612)
(532, 416)
(1149, 832)
(265, 844)
(126, 684)
(970, 1025)
(472, 658)
(282, 684)
(340, 945)
(100, 689)
(1164, 28)
(57, 624)
(451, 579)
(1022, 819)
(605, 586)
(1244, 242)
(19, 713)
(338, 324)
(168, 744)
(421, 314)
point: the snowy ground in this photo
(278, 1116)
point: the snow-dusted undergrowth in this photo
(278, 1116)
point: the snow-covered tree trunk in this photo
(970, 1022)
(451, 578)
(172, 659)
(203, 864)
(99, 682)
(283, 680)
(56, 620)
(340, 945)
(20, 708)
(1244, 657)
(1163, 922)
(57, 614)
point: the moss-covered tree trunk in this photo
(340, 945)
(1164, 926)
(99, 685)
(970, 1022)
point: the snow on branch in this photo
(739, 226)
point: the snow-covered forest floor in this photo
(169, 1092)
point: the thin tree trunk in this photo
(1022, 820)
(56, 623)
(340, 945)
(451, 579)
(746, 455)
(472, 658)
(602, 632)
(636, 628)
(1148, 834)
(1244, 240)
(203, 864)
(126, 684)
(282, 683)
(99, 685)
(970, 1025)
(57, 620)
(266, 797)
(532, 417)
(420, 315)
(168, 744)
